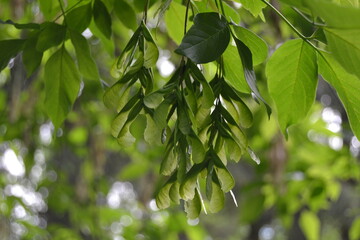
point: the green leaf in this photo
(246, 117)
(151, 51)
(62, 84)
(9, 49)
(239, 137)
(160, 114)
(125, 139)
(226, 180)
(49, 8)
(231, 13)
(31, 56)
(344, 44)
(210, 31)
(153, 100)
(245, 114)
(102, 18)
(254, 6)
(246, 60)
(125, 13)
(132, 106)
(117, 95)
(257, 45)
(292, 83)
(118, 123)
(347, 87)
(193, 207)
(169, 163)
(174, 193)
(354, 232)
(174, 20)
(51, 35)
(217, 198)
(208, 95)
(183, 120)
(163, 196)
(342, 31)
(79, 18)
(234, 72)
(127, 56)
(233, 151)
(152, 134)
(197, 148)
(87, 66)
(335, 15)
(295, 3)
(310, 224)
(187, 188)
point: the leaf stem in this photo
(222, 7)
(146, 10)
(307, 19)
(289, 24)
(186, 16)
(64, 12)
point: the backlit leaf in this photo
(125, 13)
(292, 83)
(174, 193)
(254, 6)
(198, 150)
(125, 139)
(152, 134)
(234, 72)
(257, 45)
(193, 207)
(174, 19)
(344, 44)
(226, 180)
(169, 163)
(347, 87)
(151, 53)
(62, 84)
(87, 66)
(187, 188)
(310, 224)
(118, 123)
(335, 15)
(354, 232)
(217, 198)
(153, 100)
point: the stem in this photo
(222, 7)
(145, 10)
(62, 9)
(307, 19)
(289, 24)
(64, 12)
(186, 16)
